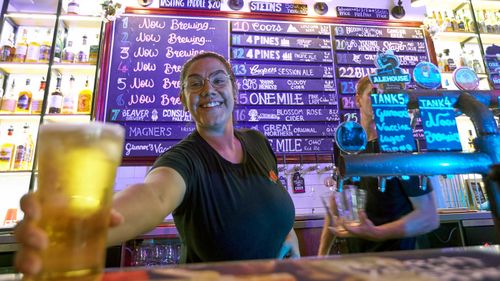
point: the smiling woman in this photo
(219, 183)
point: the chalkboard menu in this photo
(393, 122)
(440, 126)
(492, 58)
(289, 75)
(356, 49)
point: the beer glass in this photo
(76, 171)
(343, 206)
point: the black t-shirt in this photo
(229, 211)
(388, 206)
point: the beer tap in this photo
(282, 168)
(422, 182)
(381, 183)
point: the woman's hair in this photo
(203, 55)
(363, 84)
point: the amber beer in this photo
(76, 171)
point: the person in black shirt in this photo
(392, 218)
(219, 183)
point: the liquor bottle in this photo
(8, 50)
(33, 53)
(68, 55)
(45, 48)
(73, 7)
(24, 150)
(447, 23)
(7, 150)
(21, 48)
(449, 61)
(58, 49)
(481, 21)
(94, 51)
(460, 22)
(488, 21)
(454, 22)
(469, 25)
(84, 99)
(440, 21)
(440, 62)
(24, 99)
(463, 58)
(69, 100)
(56, 98)
(9, 100)
(37, 102)
(83, 55)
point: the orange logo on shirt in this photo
(272, 176)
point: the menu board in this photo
(492, 57)
(301, 87)
(356, 49)
(393, 122)
(289, 75)
(440, 126)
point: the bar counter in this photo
(469, 263)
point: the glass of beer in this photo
(76, 171)
(343, 206)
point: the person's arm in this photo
(145, 205)
(326, 239)
(421, 220)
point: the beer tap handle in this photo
(381, 184)
(422, 180)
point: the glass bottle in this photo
(84, 99)
(37, 102)
(56, 98)
(94, 51)
(68, 55)
(68, 100)
(33, 53)
(8, 50)
(24, 99)
(83, 54)
(58, 49)
(24, 150)
(45, 48)
(7, 150)
(9, 100)
(447, 23)
(440, 20)
(21, 48)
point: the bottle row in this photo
(462, 21)
(16, 148)
(25, 99)
(447, 62)
(36, 48)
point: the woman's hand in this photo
(33, 239)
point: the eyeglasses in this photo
(195, 84)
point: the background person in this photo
(219, 183)
(392, 219)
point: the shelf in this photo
(72, 21)
(455, 36)
(24, 68)
(39, 20)
(74, 68)
(486, 4)
(28, 173)
(66, 118)
(490, 38)
(7, 116)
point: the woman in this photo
(220, 184)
